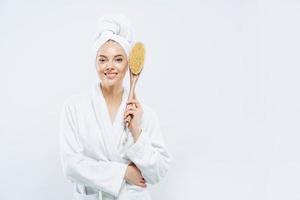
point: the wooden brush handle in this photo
(133, 81)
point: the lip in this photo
(110, 75)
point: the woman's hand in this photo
(133, 176)
(133, 108)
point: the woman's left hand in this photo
(133, 108)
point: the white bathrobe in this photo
(95, 152)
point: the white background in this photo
(223, 77)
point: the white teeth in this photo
(110, 75)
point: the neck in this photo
(112, 93)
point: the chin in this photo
(110, 82)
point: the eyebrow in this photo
(114, 56)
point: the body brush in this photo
(136, 64)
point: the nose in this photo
(109, 65)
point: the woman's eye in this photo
(101, 60)
(119, 59)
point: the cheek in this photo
(124, 69)
(100, 71)
(125, 66)
(100, 68)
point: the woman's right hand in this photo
(134, 176)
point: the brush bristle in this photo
(137, 58)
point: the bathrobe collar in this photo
(111, 133)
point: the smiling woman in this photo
(95, 155)
(111, 70)
(112, 64)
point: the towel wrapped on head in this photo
(115, 27)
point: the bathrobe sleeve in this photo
(149, 152)
(107, 176)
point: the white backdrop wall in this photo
(223, 77)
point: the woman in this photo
(103, 158)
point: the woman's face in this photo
(112, 64)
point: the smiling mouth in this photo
(110, 75)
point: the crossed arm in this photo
(150, 159)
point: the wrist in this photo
(136, 132)
(137, 135)
(127, 173)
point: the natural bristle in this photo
(137, 58)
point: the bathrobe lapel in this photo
(111, 133)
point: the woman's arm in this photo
(102, 175)
(149, 152)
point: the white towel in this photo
(116, 27)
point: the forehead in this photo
(111, 48)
